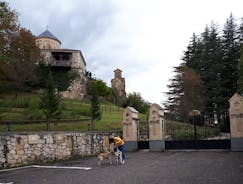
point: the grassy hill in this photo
(24, 107)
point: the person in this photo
(120, 144)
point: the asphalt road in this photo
(141, 167)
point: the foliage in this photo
(96, 89)
(61, 77)
(71, 109)
(50, 101)
(136, 101)
(213, 59)
(9, 26)
(240, 67)
(26, 106)
(184, 94)
(185, 131)
(18, 52)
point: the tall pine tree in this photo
(213, 58)
(240, 67)
(230, 58)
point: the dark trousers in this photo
(122, 149)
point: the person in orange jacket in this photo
(119, 143)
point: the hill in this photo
(23, 108)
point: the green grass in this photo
(25, 106)
(109, 121)
(81, 126)
(185, 131)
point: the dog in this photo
(118, 155)
(105, 155)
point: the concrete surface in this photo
(143, 167)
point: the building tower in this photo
(60, 59)
(118, 84)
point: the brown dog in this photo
(105, 155)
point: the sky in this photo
(143, 38)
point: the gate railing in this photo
(187, 133)
(143, 130)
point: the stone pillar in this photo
(156, 128)
(130, 118)
(236, 122)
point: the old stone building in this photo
(59, 58)
(118, 83)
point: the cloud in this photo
(143, 38)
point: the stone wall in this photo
(236, 122)
(47, 43)
(25, 148)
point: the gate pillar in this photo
(236, 122)
(130, 136)
(156, 128)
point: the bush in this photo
(34, 103)
(35, 115)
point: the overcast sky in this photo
(144, 38)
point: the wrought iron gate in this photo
(196, 136)
(143, 134)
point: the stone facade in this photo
(236, 122)
(47, 43)
(156, 128)
(118, 83)
(52, 54)
(130, 119)
(26, 148)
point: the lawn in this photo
(184, 131)
(25, 107)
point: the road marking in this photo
(61, 167)
(7, 183)
(47, 167)
(16, 168)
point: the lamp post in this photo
(194, 114)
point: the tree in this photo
(184, 93)
(18, 52)
(24, 55)
(214, 59)
(50, 101)
(135, 100)
(61, 77)
(9, 26)
(97, 89)
(240, 67)
(230, 59)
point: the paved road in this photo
(141, 168)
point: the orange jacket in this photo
(118, 141)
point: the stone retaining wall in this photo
(18, 149)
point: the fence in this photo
(11, 123)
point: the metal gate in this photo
(196, 136)
(143, 134)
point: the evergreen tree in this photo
(210, 68)
(240, 67)
(214, 59)
(50, 101)
(192, 55)
(174, 95)
(230, 58)
(184, 94)
(96, 89)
